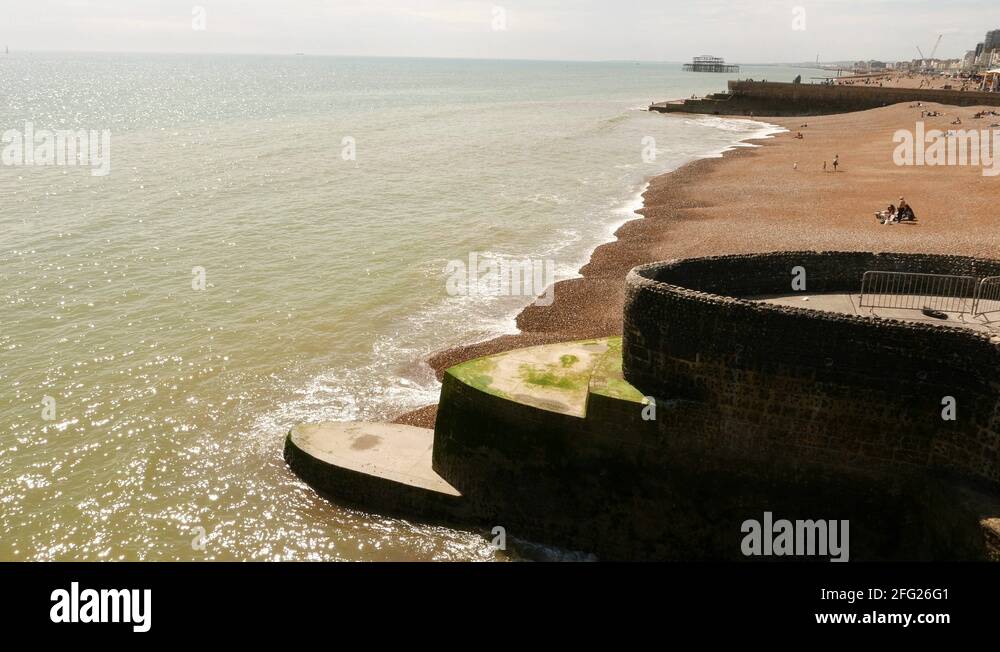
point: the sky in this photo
(742, 31)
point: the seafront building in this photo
(986, 56)
(992, 41)
(865, 67)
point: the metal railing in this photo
(909, 291)
(987, 297)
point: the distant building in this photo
(986, 60)
(992, 41)
(969, 60)
(862, 67)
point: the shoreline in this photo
(540, 318)
(773, 196)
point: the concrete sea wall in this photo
(546, 476)
(792, 387)
(806, 414)
(784, 99)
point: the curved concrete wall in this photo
(759, 408)
(796, 389)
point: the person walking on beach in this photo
(836, 162)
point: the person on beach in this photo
(836, 162)
(904, 213)
(888, 216)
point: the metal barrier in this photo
(988, 297)
(908, 291)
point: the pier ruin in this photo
(709, 63)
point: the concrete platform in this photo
(387, 468)
(850, 304)
(553, 377)
(380, 466)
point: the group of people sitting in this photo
(896, 214)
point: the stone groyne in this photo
(786, 99)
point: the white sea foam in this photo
(325, 291)
(460, 320)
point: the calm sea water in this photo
(325, 278)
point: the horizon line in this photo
(400, 56)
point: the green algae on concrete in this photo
(561, 376)
(608, 379)
(553, 377)
(478, 373)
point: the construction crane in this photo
(926, 61)
(937, 45)
(933, 52)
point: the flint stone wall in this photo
(797, 391)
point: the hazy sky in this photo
(741, 30)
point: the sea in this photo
(271, 245)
